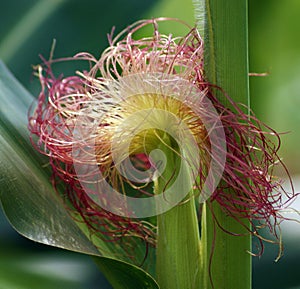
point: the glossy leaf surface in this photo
(29, 201)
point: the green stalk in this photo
(226, 261)
(178, 241)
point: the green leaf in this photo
(123, 275)
(26, 194)
(29, 201)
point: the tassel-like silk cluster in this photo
(161, 76)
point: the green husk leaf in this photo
(178, 240)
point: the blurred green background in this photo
(27, 29)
